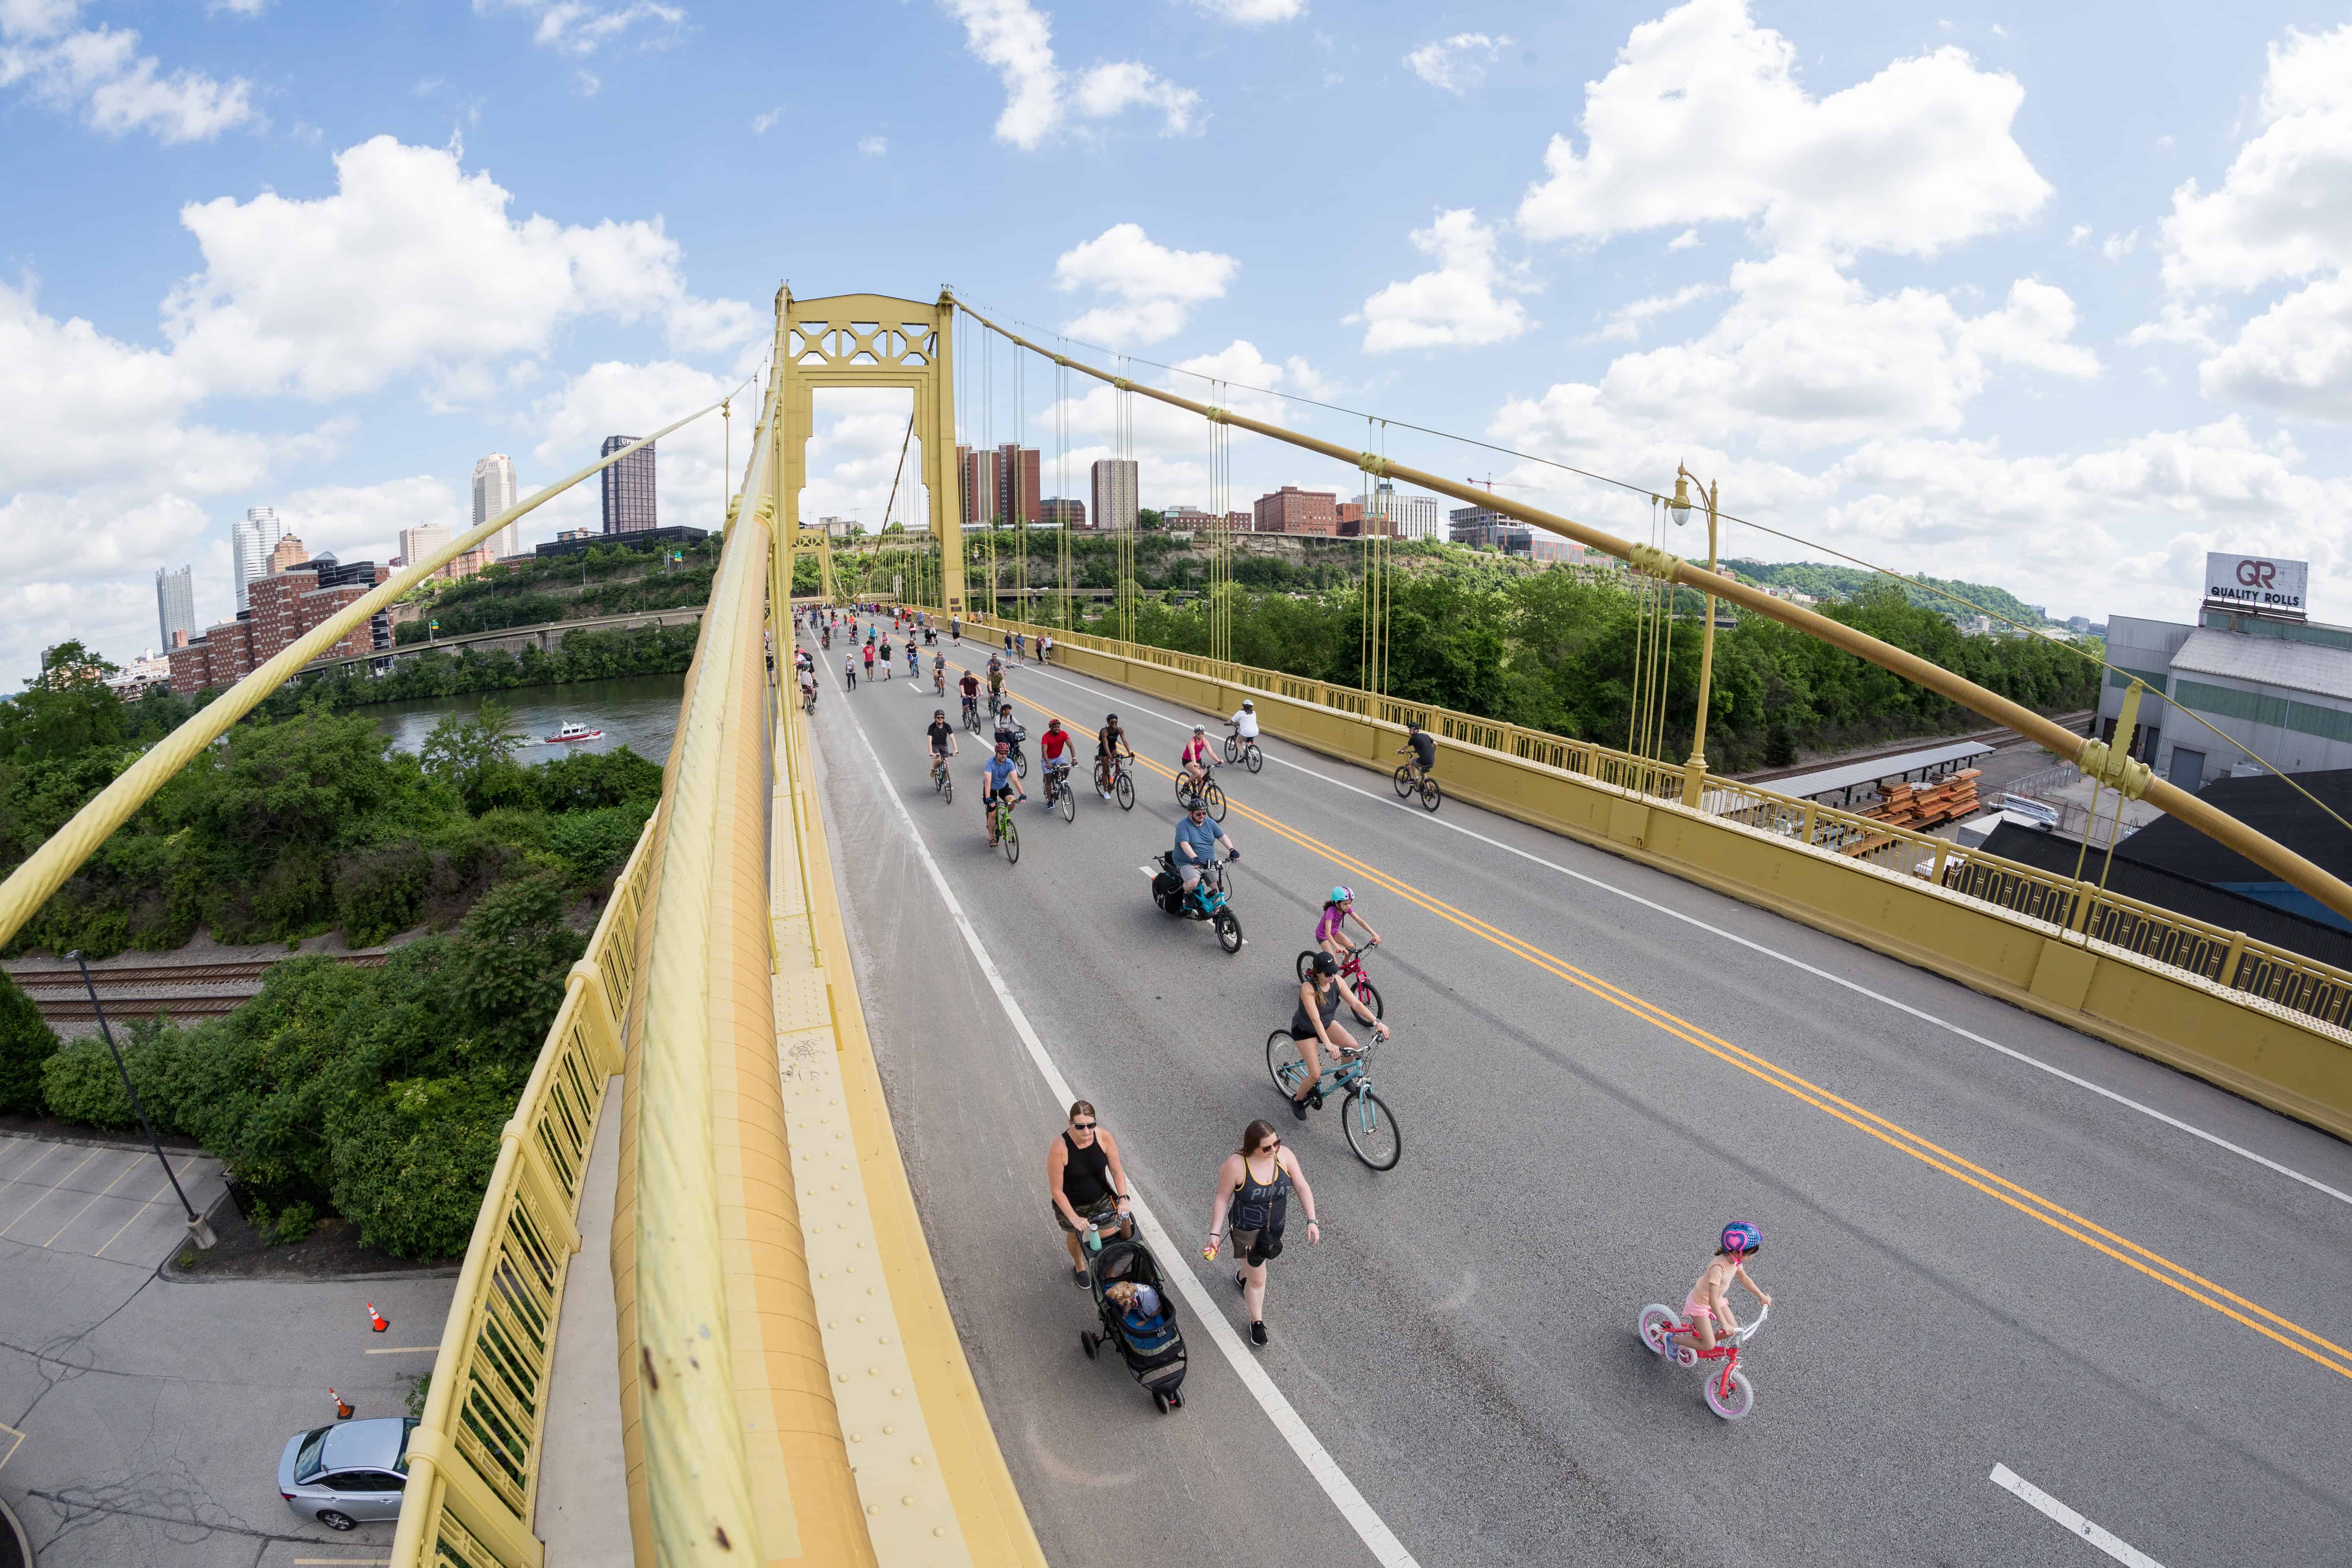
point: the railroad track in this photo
(59, 994)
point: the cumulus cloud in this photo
(613, 397)
(101, 72)
(874, 146)
(576, 28)
(1457, 304)
(1150, 288)
(1253, 13)
(1703, 117)
(1016, 39)
(412, 263)
(1458, 64)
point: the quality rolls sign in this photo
(2257, 583)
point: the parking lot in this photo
(142, 1418)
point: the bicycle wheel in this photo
(1254, 759)
(1403, 781)
(1231, 755)
(1216, 799)
(1012, 843)
(1430, 794)
(1652, 1324)
(1305, 964)
(1735, 1403)
(1284, 1062)
(1067, 799)
(1021, 764)
(1125, 790)
(947, 790)
(1369, 996)
(1373, 1131)
(1229, 930)
(1184, 790)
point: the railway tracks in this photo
(178, 991)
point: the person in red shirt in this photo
(1056, 746)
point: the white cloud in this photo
(412, 263)
(2115, 247)
(1253, 12)
(1151, 288)
(2282, 212)
(765, 122)
(615, 398)
(1017, 39)
(1456, 305)
(1703, 117)
(246, 8)
(2078, 234)
(1627, 321)
(574, 27)
(1686, 241)
(874, 146)
(101, 72)
(362, 522)
(1458, 64)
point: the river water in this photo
(639, 711)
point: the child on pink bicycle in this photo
(1708, 1307)
(1331, 927)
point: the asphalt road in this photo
(1976, 1261)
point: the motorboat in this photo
(573, 730)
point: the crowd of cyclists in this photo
(1086, 1183)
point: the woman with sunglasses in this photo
(1255, 1185)
(1087, 1184)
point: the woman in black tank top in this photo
(1255, 1187)
(1086, 1183)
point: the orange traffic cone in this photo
(376, 1320)
(343, 1407)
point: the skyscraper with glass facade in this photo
(628, 487)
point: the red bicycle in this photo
(1728, 1392)
(1351, 974)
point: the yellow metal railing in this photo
(473, 1458)
(2079, 910)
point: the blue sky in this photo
(2053, 296)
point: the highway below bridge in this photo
(1998, 1248)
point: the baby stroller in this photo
(1153, 1346)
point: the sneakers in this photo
(1240, 1283)
(1298, 1109)
(1257, 1334)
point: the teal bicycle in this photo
(1371, 1128)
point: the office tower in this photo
(252, 541)
(287, 552)
(981, 478)
(421, 541)
(1415, 516)
(494, 492)
(175, 601)
(628, 487)
(1017, 493)
(1115, 493)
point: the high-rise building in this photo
(252, 541)
(1017, 494)
(1293, 510)
(1415, 516)
(979, 475)
(288, 552)
(421, 540)
(628, 487)
(1115, 494)
(494, 492)
(175, 602)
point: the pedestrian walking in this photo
(1086, 1183)
(1253, 1187)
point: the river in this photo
(639, 711)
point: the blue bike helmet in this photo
(1341, 894)
(1741, 1237)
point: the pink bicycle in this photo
(1728, 1392)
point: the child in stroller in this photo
(1139, 1317)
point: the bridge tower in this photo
(871, 340)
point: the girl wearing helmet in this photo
(1708, 1307)
(1331, 927)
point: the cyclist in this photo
(849, 670)
(1423, 747)
(999, 780)
(1196, 759)
(940, 673)
(943, 740)
(1110, 745)
(1708, 1307)
(995, 683)
(914, 659)
(1314, 1023)
(1331, 927)
(970, 689)
(1244, 722)
(1009, 733)
(1054, 746)
(1196, 844)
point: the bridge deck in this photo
(1595, 1066)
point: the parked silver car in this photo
(348, 1474)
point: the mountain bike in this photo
(942, 782)
(1371, 1129)
(1008, 837)
(1410, 779)
(1058, 791)
(1242, 749)
(971, 714)
(1728, 1392)
(1122, 785)
(1207, 789)
(1351, 974)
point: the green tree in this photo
(473, 755)
(26, 1044)
(65, 710)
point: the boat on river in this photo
(573, 730)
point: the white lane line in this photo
(2105, 1540)
(1359, 1514)
(2010, 1051)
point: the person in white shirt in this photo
(1244, 722)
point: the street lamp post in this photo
(199, 1231)
(1695, 770)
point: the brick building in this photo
(1018, 498)
(1115, 493)
(1058, 511)
(282, 607)
(979, 480)
(1293, 510)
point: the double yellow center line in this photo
(2123, 1250)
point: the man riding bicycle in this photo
(940, 673)
(1196, 845)
(1331, 929)
(1053, 747)
(1110, 745)
(1196, 759)
(1009, 733)
(942, 737)
(1423, 747)
(999, 780)
(995, 681)
(1244, 722)
(969, 687)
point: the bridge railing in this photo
(474, 1457)
(2273, 977)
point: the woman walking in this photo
(1086, 1183)
(1255, 1187)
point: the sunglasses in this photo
(1082, 1126)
